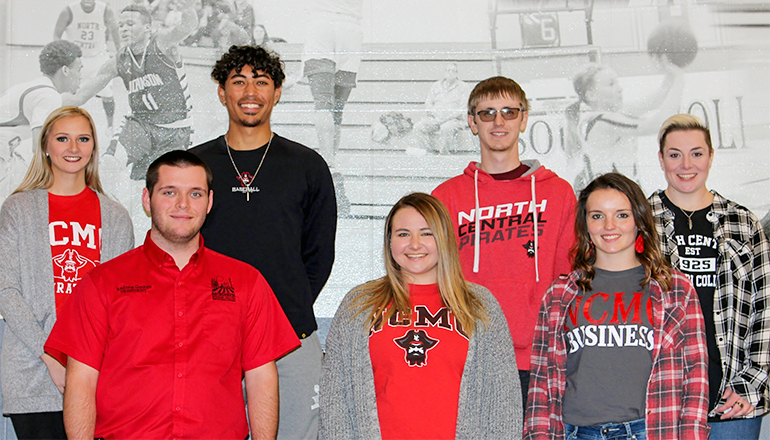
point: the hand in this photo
(55, 370)
(735, 405)
(665, 65)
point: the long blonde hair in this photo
(39, 174)
(384, 297)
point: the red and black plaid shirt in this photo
(677, 392)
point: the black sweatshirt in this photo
(286, 229)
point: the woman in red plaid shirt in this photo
(619, 349)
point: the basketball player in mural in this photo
(91, 25)
(24, 107)
(604, 131)
(152, 71)
(603, 128)
(332, 58)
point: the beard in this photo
(173, 235)
(251, 124)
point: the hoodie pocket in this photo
(520, 305)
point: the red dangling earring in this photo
(639, 245)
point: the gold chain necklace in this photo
(689, 217)
(241, 178)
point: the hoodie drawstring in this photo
(534, 215)
(477, 220)
(477, 236)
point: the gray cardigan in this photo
(27, 294)
(490, 391)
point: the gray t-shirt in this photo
(609, 338)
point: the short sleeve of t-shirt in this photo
(268, 334)
(80, 331)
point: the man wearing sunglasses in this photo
(514, 218)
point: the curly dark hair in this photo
(256, 57)
(656, 266)
(58, 54)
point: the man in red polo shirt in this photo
(157, 340)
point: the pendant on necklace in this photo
(689, 218)
(250, 190)
(245, 178)
(247, 190)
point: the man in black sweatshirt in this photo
(274, 208)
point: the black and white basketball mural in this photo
(601, 76)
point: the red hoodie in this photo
(506, 257)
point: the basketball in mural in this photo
(676, 40)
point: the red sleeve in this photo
(563, 263)
(80, 331)
(538, 411)
(268, 334)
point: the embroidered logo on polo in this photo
(133, 289)
(222, 289)
(416, 344)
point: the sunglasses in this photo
(508, 114)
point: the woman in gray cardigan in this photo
(385, 374)
(64, 165)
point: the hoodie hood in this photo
(536, 169)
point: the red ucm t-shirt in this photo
(74, 230)
(418, 365)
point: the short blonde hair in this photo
(39, 174)
(684, 122)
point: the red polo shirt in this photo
(171, 346)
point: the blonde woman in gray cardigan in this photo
(420, 353)
(57, 225)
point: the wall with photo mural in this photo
(404, 128)
(390, 142)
